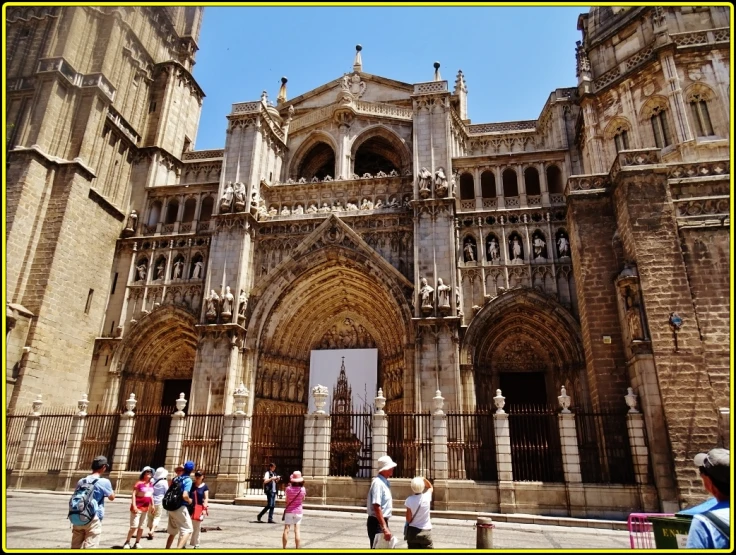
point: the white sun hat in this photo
(385, 463)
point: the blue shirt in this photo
(702, 508)
(186, 485)
(380, 494)
(103, 488)
(704, 534)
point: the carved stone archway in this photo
(381, 142)
(317, 152)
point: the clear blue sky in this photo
(512, 57)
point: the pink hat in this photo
(296, 477)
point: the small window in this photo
(152, 106)
(467, 187)
(25, 32)
(114, 283)
(701, 116)
(662, 137)
(89, 301)
(622, 140)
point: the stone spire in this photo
(461, 91)
(358, 63)
(460, 85)
(282, 92)
(437, 76)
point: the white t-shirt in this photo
(418, 504)
(159, 490)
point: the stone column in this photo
(235, 449)
(125, 436)
(571, 457)
(499, 187)
(30, 434)
(635, 428)
(176, 434)
(73, 445)
(506, 493)
(380, 431)
(543, 185)
(317, 436)
(439, 438)
(521, 185)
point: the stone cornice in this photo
(184, 74)
(62, 68)
(35, 150)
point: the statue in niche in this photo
(142, 269)
(197, 273)
(178, 268)
(300, 388)
(633, 317)
(254, 204)
(443, 294)
(292, 386)
(299, 209)
(273, 211)
(393, 202)
(242, 304)
(259, 386)
(325, 208)
(312, 209)
(493, 254)
(239, 197)
(379, 204)
(457, 300)
(366, 204)
(227, 303)
(425, 182)
(262, 213)
(407, 201)
(453, 183)
(226, 201)
(160, 269)
(285, 211)
(284, 385)
(563, 247)
(440, 182)
(213, 302)
(516, 251)
(469, 251)
(351, 206)
(132, 222)
(538, 245)
(425, 292)
(275, 384)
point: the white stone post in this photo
(571, 456)
(76, 435)
(235, 449)
(439, 438)
(176, 434)
(635, 428)
(30, 434)
(380, 430)
(125, 435)
(317, 436)
(506, 492)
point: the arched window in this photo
(510, 185)
(621, 139)
(375, 155)
(205, 213)
(172, 211)
(190, 207)
(554, 180)
(656, 112)
(155, 213)
(531, 181)
(488, 184)
(700, 114)
(319, 162)
(467, 187)
(618, 130)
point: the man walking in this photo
(270, 479)
(710, 528)
(380, 501)
(88, 536)
(179, 519)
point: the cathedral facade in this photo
(587, 248)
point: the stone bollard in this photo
(484, 533)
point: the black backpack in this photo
(174, 496)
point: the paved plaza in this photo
(38, 521)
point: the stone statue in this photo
(443, 294)
(425, 182)
(226, 201)
(239, 194)
(325, 208)
(212, 304)
(493, 249)
(633, 318)
(160, 270)
(132, 221)
(273, 211)
(299, 209)
(197, 273)
(469, 251)
(457, 300)
(227, 302)
(366, 204)
(453, 184)
(440, 182)
(407, 201)
(178, 268)
(538, 244)
(141, 271)
(393, 202)
(312, 209)
(425, 292)
(379, 204)
(285, 211)
(300, 388)
(351, 206)
(563, 247)
(253, 202)
(336, 207)
(516, 249)
(242, 304)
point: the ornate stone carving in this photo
(242, 305)
(469, 251)
(426, 292)
(226, 201)
(347, 335)
(141, 271)
(563, 246)
(379, 402)
(320, 393)
(499, 401)
(228, 300)
(516, 250)
(540, 246)
(443, 296)
(424, 183)
(239, 197)
(213, 302)
(564, 400)
(440, 182)
(493, 254)
(631, 400)
(132, 223)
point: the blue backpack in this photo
(83, 505)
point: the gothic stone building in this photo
(586, 248)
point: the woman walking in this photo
(160, 486)
(200, 494)
(139, 505)
(295, 494)
(418, 526)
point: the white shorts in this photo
(179, 520)
(292, 518)
(138, 520)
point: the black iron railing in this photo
(277, 438)
(53, 433)
(536, 453)
(410, 444)
(351, 452)
(471, 446)
(150, 437)
(605, 451)
(203, 441)
(100, 435)
(14, 426)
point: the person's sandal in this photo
(149, 537)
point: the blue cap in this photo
(189, 466)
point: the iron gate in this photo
(410, 444)
(277, 438)
(536, 453)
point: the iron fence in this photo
(100, 434)
(14, 426)
(536, 453)
(351, 450)
(53, 433)
(203, 440)
(277, 438)
(471, 446)
(150, 438)
(410, 444)
(605, 451)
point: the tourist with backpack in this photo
(160, 487)
(140, 503)
(176, 502)
(87, 506)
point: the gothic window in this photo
(510, 186)
(155, 213)
(467, 187)
(159, 269)
(375, 155)
(190, 207)
(205, 213)
(554, 180)
(488, 184)
(196, 269)
(319, 162)
(621, 139)
(531, 181)
(177, 268)
(172, 211)
(700, 115)
(660, 127)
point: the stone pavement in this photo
(38, 521)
